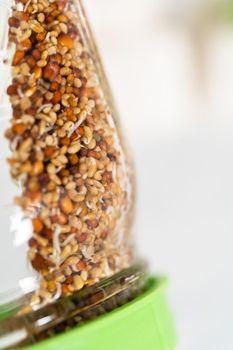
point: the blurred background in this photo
(170, 64)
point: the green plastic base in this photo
(144, 323)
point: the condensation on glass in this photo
(67, 187)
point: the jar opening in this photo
(25, 328)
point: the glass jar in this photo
(67, 186)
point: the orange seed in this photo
(18, 56)
(65, 40)
(66, 205)
(37, 225)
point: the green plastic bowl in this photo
(144, 323)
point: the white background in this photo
(170, 66)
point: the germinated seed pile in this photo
(66, 152)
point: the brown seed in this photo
(81, 133)
(41, 47)
(104, 234)
(92, 223)
(31, 111)
(73, 137)
(73, 230)
(54, 86)
(12, 90)
(107, 176)
(44, 179)
(73, 31)
(65, 40)
(76, 91)
(81, 265)
(39, 263)
(66, 205)
(49, 18)
(36, 54)
(64, 173)
(93, 154)
(48, 233)
(56, 97)
(77, 72)
(69, 280)
(32, 243)
(18, 56)
(60, 219)
(48, 151)
(31, 61)
(103, 145)
(50, 71)
(17, 112)
(24, 15)
(13, 22)
(112, 157)
(34, 197)
(56, 58)
(82, 237)
(84, 82)
(37, 225)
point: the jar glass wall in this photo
(66, 177)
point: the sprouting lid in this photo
(66, 200)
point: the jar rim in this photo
(30, 325)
